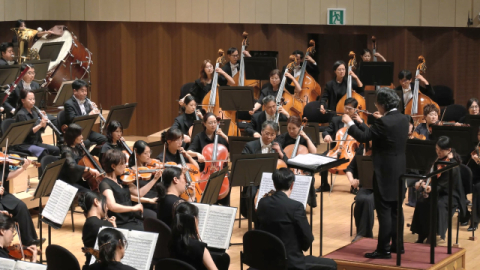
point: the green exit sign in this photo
(336, 16)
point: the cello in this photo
(239, 78)
(293, 150)
(351, 93)
(310, 88)
(215, 155)
(345, 148)
(91, 162)
(415, 105)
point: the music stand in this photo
(44, 188)
(50, 50)
(156, 148)
(237, 144)
(365, 171)
(376, 73)
(41, 68)
(259, 68)
(474, 121)
(40, 97)
(247, 172)
(420, 154)
(86, 122)
(311, 129)
(8, 74)
(236, 98)
(212, 189)
(122, 114)
(17, 132)
(64, 93)
(460, 138)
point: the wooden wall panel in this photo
(446, 13)
(378, 12)
(15, 9)
(312, 12)
(396, 12)
(279, 11)
(412, 13)
(77, 10)
(361, 12)
(263, 11)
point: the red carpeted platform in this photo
(417, 256)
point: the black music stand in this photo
(247, 172)
(212, 189)
(420, 154)
(8, 74)
(461, 138)
(40, 97)
(474, 122)
(122, 114)
(50, 50)
(376, 73)
(311, 129)
(86, 122)
(156, 148)
(236, 98)
(64, 93)
(259, 68)
(318, 169)
(44, 188)
(237, 144)
(41, 68)
(16, 133)
(365, 171)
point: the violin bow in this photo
(4, 164)
(136, 177)
(20, 240)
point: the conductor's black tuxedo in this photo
(389, 136)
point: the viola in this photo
(93, 163)
(15, 252)
(191, 176)
(310, 88)
(126, 150)
(215, 156)
(439, 167)
(16, 160)
(293, 150)
(239, 78)
(345, 148)
(476, 151)
(144, 173)
(351, 93)
(416, 135)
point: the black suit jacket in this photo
(72, 109)
(286, 219)
(4, 62)
(335, 124)
(257, 120)
(14, 97)
(427, 90)
(255, 147)
(222, 81)
(389, 136)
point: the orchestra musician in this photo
(287, 219)
(111, 246)
(474, 165)
(185, 121)
(270, 109)
(367, 56)
(389, 135)
(7, 233)
(94, 206)
(114, 134)
(472, 109)
(142, 152)
(293, 130)
(232, 67)
(407, 85)
(430, 113)
(119, 194)
(27, 83)
(33, 144)
(272, 88)
(173, 138)
(330, 133)
(71, 171)
(7, 54)
(312, 69)
(421, 215)
(169, 190)
(78, 105)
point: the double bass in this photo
(415, 105)
(351, 93)
(293, 150)
(239, 78)
(215, 156)
(310, 88)
(290, 103)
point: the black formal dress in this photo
(4, 253)
(184, 122)
(110, 266)
(72, 110)
(389, 136)
(257, 120)
(287, 219)
(165, 208)
(72, 172)
(201, 140)
(191, 254)
(199, 91)
(334, 91)
(14, 97)
(107, 146)
(427, 90)
(267, 90)
(169, 157)
(33, 144)
(19, 211)
(285, 140)
(90, 232)
(121, 194)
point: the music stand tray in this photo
(376, 73)
(17, 132)
(461, 138)
(420, 154)
(311, 129)
(64, 93)
(8, 74)
(236, 98)
(212, 189)
(41, 68)
(122, 114)
(86, 122)
(259, 68)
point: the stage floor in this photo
(417, 256)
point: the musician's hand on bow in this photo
(289, 75)
(95, 173)
(138, 207)
(322, 109)
(346, 118)
(377, 114)
(327, 139)
(428, 189)
(34, 250)
(200, 158)
(113, 220)
(418, 184)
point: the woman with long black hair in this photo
(111, 246)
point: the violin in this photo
(93, 163)
(18, 252)
(293, 150)
(351, 93)
(94, 252)
(126, 150)
(416, 135)
(16, 160)
(310, 88)
(345, 148)
(144, 173)
(215, 155)
(439, 167)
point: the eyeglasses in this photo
(235, 55)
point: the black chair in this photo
(162, 249)
(4, 127)
(263, 250)
(453, 112)
(443, 95)
(61, 119)
(60, 258)
(185, 89)
(168, 264)
(467, 176)
(351, 218)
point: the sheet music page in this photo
(266, 185)
(7, 264)
(139, 252)
(124, 231)
(202, 214)
(301, 188)
(21, 265)
(219, 226)
(310, 160)
(59, 202)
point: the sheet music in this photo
(139, 252)
(21, 265)
(7, 264)
(300, 190)
(202, 214)
(59, 202)
(310, 160)
(219, 226)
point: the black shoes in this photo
(36, 242)
(378, 255)
(473, 227)
(353, 190)
(323, 188)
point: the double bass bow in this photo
(310, 88)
